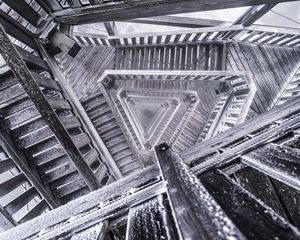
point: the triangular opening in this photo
(147, 112)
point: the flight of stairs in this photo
(127, 122)
(30, 135)
(109, 130)
(17, 192)
(209, 128)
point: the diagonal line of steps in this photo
(108, 129)
(31, 135)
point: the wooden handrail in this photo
(239, 33)
(228, 146)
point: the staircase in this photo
(109, 130)
(175, 57)
(127, 122)
(29, 134)
(18, 194)
(261, 155)
(32, 136)
(291, 90)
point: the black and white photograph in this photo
(149, 119)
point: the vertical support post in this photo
(146, 221)
(81, 113)
(276, 161)
(197, 215)
(254, 219)
(253, 14)
(29, 83)
(111, 28)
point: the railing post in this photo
(197, 215)
(29, 83)
(215, 207)
(147, 221)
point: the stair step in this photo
(81, 192)
(34, 138)
(91, 98)
(12, 183)
(47, 156)
(28, 128)
(103, 119)
(69, 188)
(101, 115)
(115, 142)
(64, 180)
(6, 165)
(106, 129)
(42, 146)
(54, 163)
(13, 101)
(126, 160)
(129, 168)
(115, 132)
(101, 172)
(23, 117)
(37, 210)
(121, 147)
(81, 140)
(70, 122)
(11, 93)
(191, 132)
(110, 180)
(32, 59)
(104, 109)
(179, 146)
(94, 104)
(59, 103)
(122, 154)
(20, 201)
(17, 106)
(91, 157)
(296, 81)
(187, 138)
(58, 173)
(100, 125)
(7, 81)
